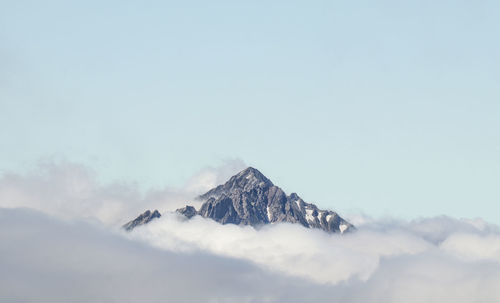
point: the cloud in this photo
(70, 190)
(473, 247)
(286, 248)
(322, 257)
(209, 177)
(44, 259)
(70, 250)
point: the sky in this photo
(384, 111)
(387, 108)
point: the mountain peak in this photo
(251, 174)
(249, 198)
(244, 181)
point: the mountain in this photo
(249, 198)
(143, 218)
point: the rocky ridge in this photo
(250, 198)
(143, 218)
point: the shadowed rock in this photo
(144, 218)
(188, 211)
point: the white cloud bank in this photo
(336, 259)
(44, 259)
(70, 190)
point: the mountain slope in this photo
(143, 218)
(249, 198)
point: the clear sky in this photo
(385, 107)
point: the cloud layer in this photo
(63, 245)
(334, 259)
(46, 260)
(70, 190)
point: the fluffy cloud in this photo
(325, 258)
(287, 248)
(70, 190)
(62, 256)
(44, 259)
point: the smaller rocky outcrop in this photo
(144, 218)
(188, 211)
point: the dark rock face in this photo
(144, 218)
(187, 211)
(249, 198)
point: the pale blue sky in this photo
(379, 106)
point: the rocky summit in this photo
(249, 198)
(143, 218)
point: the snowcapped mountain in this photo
(249, 198)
